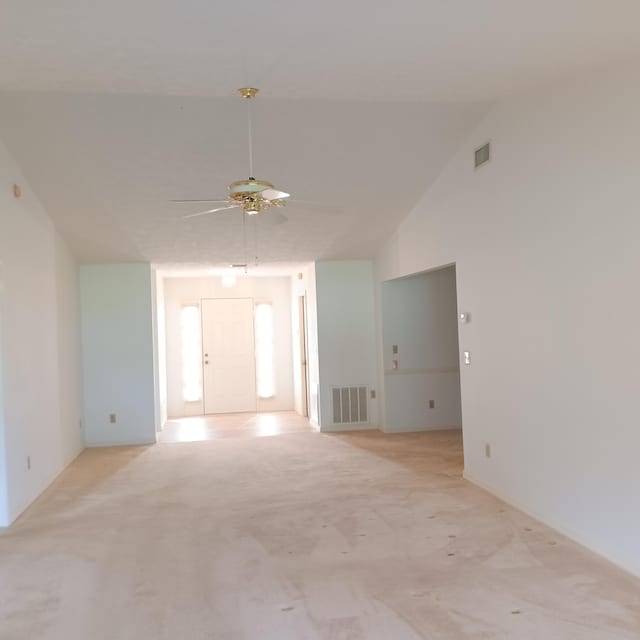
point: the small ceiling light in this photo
(228, 281)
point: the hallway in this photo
(298, 536)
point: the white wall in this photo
(4, 479)
(419, 316)
(160, 351)
(346, 333)
(545, 241)
(40, 407)
(277, 290)
(70, 392)
(117, 353)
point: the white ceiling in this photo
(333, 49)
(106, 167)
(114, 108)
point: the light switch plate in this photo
(467, 357)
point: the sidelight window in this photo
(191, 354)
(264, 350)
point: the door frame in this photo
(304, 355)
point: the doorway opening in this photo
(421, 353)
(304, 355)
(228, 346)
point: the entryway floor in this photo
(229, 425)
(302, 536)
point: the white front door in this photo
(229, 365)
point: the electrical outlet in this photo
(112, 418)
(28, 463)
(394, 349)
(394, 364)
(487, 450)
(373, 394)
(432, 404)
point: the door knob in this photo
(206, 362)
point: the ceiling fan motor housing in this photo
(247, 192)
(243, 189)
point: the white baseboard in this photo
(419, 429)
(549, 522)
(120, 443)
(339, 428)
(48, 482)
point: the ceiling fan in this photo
(254, 196)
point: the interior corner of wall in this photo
(4, 495)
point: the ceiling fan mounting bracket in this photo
(248, 92)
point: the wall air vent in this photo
(350, 405)
(482, 155)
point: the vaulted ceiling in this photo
(112, 109)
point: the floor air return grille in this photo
(350, 405)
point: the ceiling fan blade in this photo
(204, 213)
(203, 201)
(274, 194)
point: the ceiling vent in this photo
(482, 155)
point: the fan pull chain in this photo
(244, 239)
(255, 239)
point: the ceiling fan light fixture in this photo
(254, 206)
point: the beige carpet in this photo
(297, 536)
